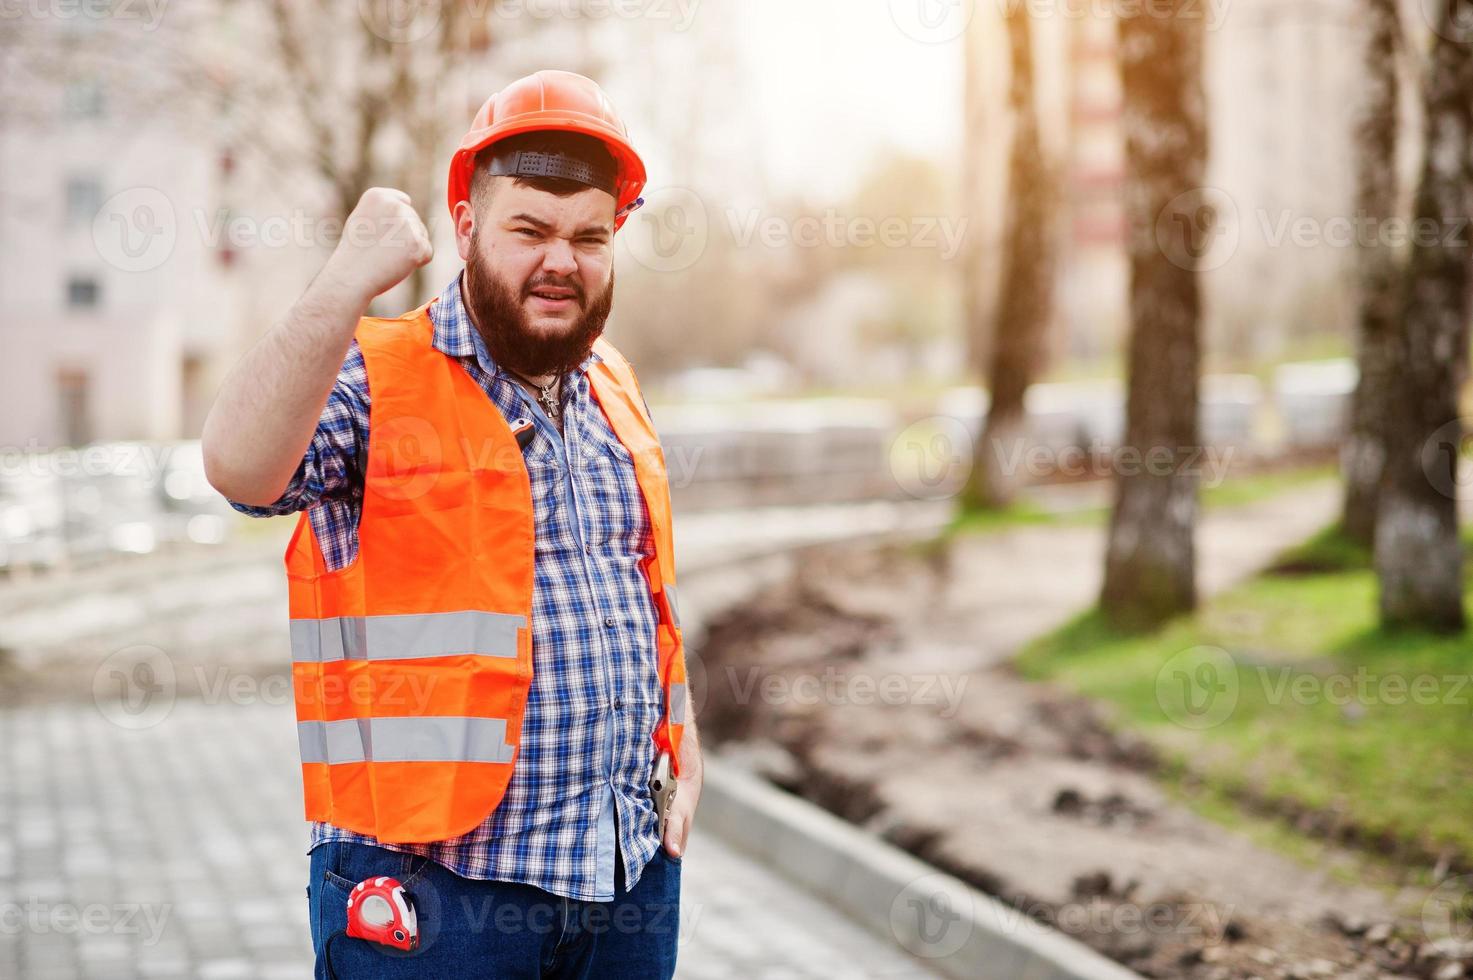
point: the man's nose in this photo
(558, 258)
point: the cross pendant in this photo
(549, 403)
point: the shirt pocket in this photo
(605, 445)
(616, 519)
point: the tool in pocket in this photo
(379, 911)
(662, 789)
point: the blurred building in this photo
(1093, 295)
(125, 296)
(115, 305)
(1280, 78)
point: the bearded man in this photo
(487, 660)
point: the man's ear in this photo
(465, 222)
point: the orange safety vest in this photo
(411, 666)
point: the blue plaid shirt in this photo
(580, 786)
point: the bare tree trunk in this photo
(1150, 560)
(397, 89)
(1026, 301)
(1363, 456)
(981, 128)
(1419, 558)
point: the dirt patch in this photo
(876, 683)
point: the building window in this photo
(72, 392)
(83, 200)
(82, 292)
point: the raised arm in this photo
(269, 405)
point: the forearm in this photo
(269, 405)
(690, 749)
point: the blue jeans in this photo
(471, 928)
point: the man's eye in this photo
(528, 232)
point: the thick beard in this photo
(501, 319)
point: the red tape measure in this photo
(381, 911)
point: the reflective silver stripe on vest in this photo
(405, 637)
(433, 739)
(674, 607)
(677, 704)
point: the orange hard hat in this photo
(551, 100)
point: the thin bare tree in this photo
(1419, 559)
(1150, 559)
(388, 117)
(1025, 304)
(1363, 456)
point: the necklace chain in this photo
(545, 395)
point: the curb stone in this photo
(972, 936)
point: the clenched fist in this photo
(383, 242)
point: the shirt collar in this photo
(457, 336)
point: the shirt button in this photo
(610, 622)
(618, 702)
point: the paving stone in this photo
(226, 970)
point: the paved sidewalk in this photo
(178, 850)
(167, 840)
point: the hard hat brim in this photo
(631, 179)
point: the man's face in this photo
(539, 273)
